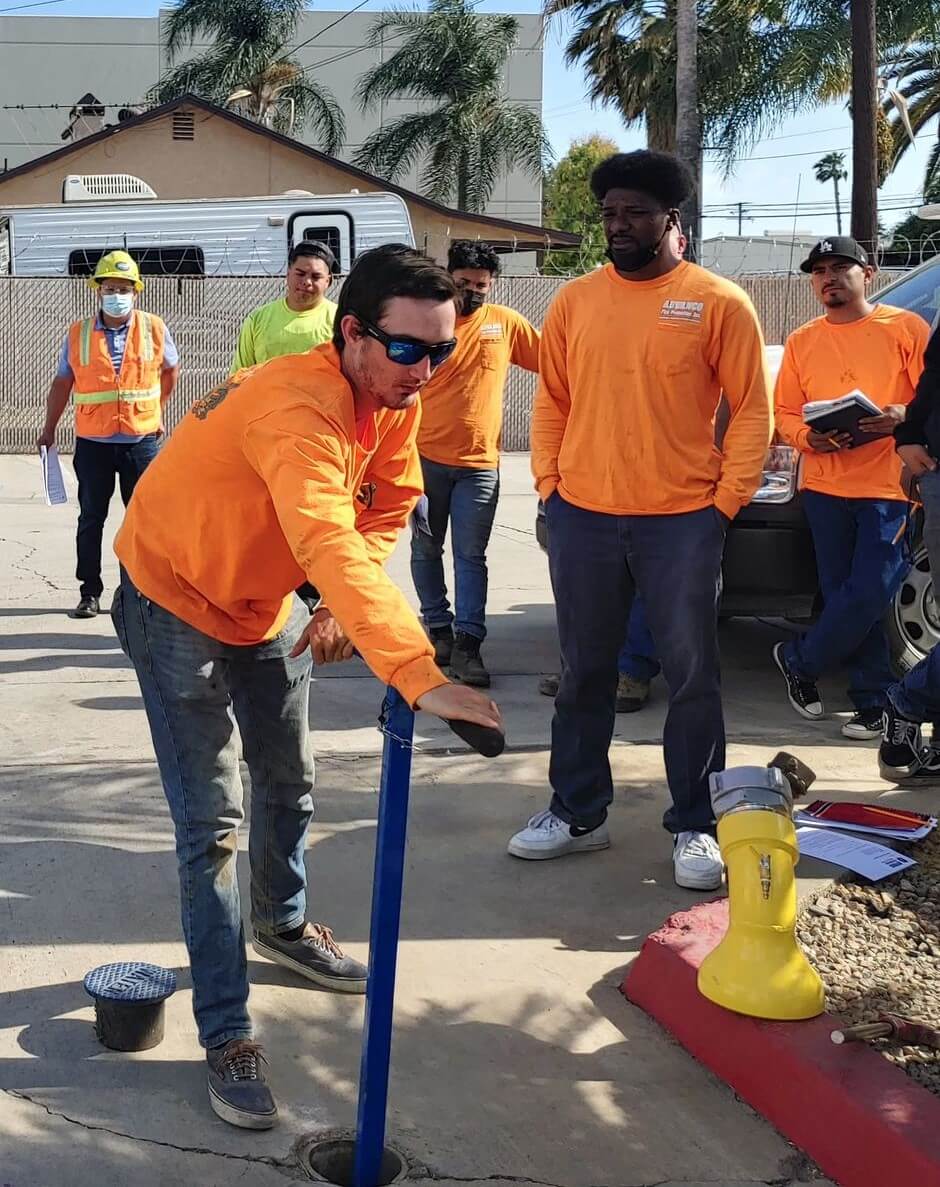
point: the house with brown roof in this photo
(191, 148)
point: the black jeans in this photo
(97, 465)
(597, 563)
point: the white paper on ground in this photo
(802, 819)
(868, 858)
(53, 481)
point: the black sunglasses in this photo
(408, 351)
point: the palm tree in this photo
(831, 167)
(688, 123)
(454, 59)
(917, 104)
(759, 61)
(864, 124)
(248, 65)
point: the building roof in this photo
(526, 231)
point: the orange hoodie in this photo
(631, 373)
(462, 404)
(263, 485)
(882, 355)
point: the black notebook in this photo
(842, 416)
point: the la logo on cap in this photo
(824, 246)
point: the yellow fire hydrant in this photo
(759, 968)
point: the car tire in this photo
(912, 622)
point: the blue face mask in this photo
(117, 304)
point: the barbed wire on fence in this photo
(205, 314)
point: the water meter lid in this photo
(130, 981)
(750, 787)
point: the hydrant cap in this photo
(750, 787)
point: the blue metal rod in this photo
(383, 939)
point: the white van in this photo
(195, 237)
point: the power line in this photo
(34, 4)
(332, 25)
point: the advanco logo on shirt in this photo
(686, 312)
(491, 332)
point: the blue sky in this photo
(778, 168)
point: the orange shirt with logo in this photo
(882, 355)
(462, 405)
(264, 484)
(631, 374)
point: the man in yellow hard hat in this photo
(121, 366)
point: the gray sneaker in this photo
(237, 1091)
(316, 956)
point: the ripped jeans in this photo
(196, 690)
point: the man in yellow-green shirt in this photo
(298, 321)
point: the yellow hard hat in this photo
(117, 265)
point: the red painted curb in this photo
(864, 1122)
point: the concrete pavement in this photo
(515, 1056)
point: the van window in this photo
(152, 261)
(332, 227)
(5, 254)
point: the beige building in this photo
(191, 148)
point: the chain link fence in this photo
(204, 316)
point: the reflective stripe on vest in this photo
(108, 403)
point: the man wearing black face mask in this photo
(634, 360)
(462, 411)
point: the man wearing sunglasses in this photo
(461, 418)
(305, 467)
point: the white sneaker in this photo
(697, 862)
(547, 835)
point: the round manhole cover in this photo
(331, 1159)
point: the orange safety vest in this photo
(106, 403)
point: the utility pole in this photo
(864, 125)
(688, 123)
(740, 219)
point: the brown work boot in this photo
(466, 666)
(443, 639)
(632, 694)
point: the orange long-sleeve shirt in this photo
(462, 404)
(265, 484)
(631, 373)
(882, 355)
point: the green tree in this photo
(759, 61)
(917, 239)
(453, 60)
(831, 167)
(249, 65)
(569, 205)
(918, 70)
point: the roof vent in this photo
(108, 187)
(184, 125)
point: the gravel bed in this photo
(877, 949)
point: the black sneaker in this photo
(466, 666)
(928, 767)
(316, 956)
(87, 608)
(237, 1091)
(899, 756)
(802, 694)
(865, 725)
(443, 639)
(548, 686)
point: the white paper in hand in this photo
(53, 481)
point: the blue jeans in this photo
(195, 691)
(97, 464)
(860, 570)
(467, 498)
(597, 562)
(638, 654)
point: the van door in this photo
(332, 227)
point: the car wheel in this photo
(913, 621)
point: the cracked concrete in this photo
(516, 1059)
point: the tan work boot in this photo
(632, 694)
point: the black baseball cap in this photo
(843, 246)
